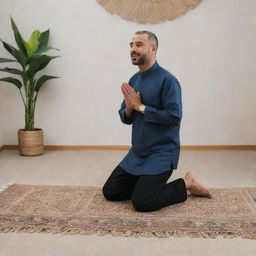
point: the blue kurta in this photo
(155, 134)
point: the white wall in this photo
(211, 50)
(1, 139)
(1, 122)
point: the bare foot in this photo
(194, 187)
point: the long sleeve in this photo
(155, 134)
(171, 113)
(123, 117)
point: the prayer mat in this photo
(84, 210)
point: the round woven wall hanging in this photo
(149, 11)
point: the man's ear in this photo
(154, 48)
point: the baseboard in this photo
(86, 147)
(4, 147)
(124, 147)
(74, 147)
(218, 147)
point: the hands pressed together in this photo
(131, 97)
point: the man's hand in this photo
(132, 98)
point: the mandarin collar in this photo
(150, 70)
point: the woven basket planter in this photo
(31, 143)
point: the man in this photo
(152, 104)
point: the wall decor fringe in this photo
(149, 11)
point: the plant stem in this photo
(35, 99)
(29, 118)
(22, 98)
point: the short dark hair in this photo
(151, 36)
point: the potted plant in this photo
(31, 57)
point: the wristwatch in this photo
(142, 108)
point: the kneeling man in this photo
(152, 104)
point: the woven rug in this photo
(84, 210)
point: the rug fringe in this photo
(135, 234)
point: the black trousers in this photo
(147, 192)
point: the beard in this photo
(141, 60)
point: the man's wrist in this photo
(142, 108)
(128, 111)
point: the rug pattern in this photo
(84, 210)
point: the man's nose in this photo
(133, 48)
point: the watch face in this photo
(142, 108)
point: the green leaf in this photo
(33, 43)
(38, 64)
(16, 72)
(12, 71)
(42, 80)
(3, 60)
(33, 58)
(42, 50)
(18, 38)
(45, 63)
(12, 80)
(18, 55)
(43, 41)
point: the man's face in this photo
(140, 49)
